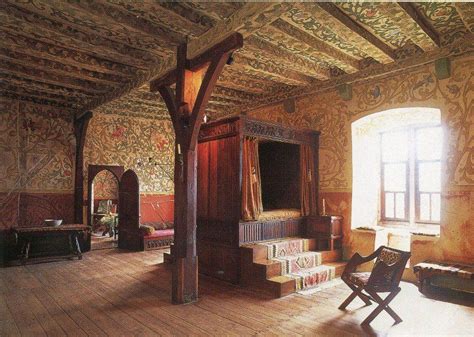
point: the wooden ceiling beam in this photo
(466, 12)
(309, 17)
(18, 42)
(41, 101)
(232, 94)
(136, 23)
(23, 91)
(178, 17)
(73, 37)
(241, 84)
(379, 71)
(347, 63)
(249, 18)
(292, 61)
(44, 87)
(338, 14)
(221, 102)
(47, 77)
(60, 68)
(269, 71)
(414, 25)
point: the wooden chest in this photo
(327, 229)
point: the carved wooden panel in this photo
(267, 230)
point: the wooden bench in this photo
(426, 270)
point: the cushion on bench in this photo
(160, 233)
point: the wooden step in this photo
(280, 286)
(257, 272)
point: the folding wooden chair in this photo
(384, 277)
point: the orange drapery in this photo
(307, 186)
(252, 205)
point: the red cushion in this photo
(161, 233)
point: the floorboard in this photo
(116, 293)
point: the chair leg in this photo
(348, 300)
(356, 291)
(383, 304)
(387, 308)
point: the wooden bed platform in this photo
(220, 230)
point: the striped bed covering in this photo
(464, 271)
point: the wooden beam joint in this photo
(228, 45)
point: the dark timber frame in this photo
(195, 79)
(80, 131)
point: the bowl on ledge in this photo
(53, 223)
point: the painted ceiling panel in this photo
(445, 18)
(292, 45)
(81, 54)
(307, 17)
(375, 20)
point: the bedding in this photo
(274, 214)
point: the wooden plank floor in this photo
(114, 293)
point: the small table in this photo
(50, 242)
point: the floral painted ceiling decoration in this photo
(80, 55)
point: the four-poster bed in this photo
(256, 181)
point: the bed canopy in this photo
(256, 181)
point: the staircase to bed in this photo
(282, 267)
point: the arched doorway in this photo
(103, 205)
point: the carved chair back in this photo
(388, 269)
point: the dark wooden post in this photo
(80, 130)
(195, 79)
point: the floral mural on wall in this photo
(418, 87)
(141, 144)
(37, 147)
(105, 186)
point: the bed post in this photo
(195, 80)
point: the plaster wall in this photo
(418, 87)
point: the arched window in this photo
(397, 168)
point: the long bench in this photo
(427, 270)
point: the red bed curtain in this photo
(307, 187)
(252, 205)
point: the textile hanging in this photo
(252, 205)
(307, 186)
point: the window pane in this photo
(395, 146)
(429, 143)
(435, 207)
(429, 177)
(389, 205)
(395, 177)
(400, 206)
(424, 206)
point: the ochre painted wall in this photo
(118, 139)
(36, 164)
(418, 87)
(37, 153)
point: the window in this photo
(411, 175)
